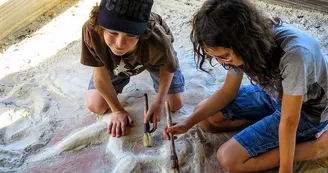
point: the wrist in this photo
(189, 124)
(119, 109)
(160, 100)
(284, 168)
(114, 104)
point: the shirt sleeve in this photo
(235, 71)
(88, 55)
(297, 71)
(169, 60)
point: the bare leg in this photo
(234, 158)
(217, 123)
(176, 101)
(96, 103)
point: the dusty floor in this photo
(46, 127)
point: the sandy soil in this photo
(46, 127)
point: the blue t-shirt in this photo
(304, 71)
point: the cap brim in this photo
(117, 23)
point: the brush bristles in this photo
(147, 140)
(174, 170)
(174, 163)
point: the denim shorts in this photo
(253, 103)
(177, 84)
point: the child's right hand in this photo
(118, 123)
(177, 128)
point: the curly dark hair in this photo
(237, 25)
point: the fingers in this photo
(148, 117)
(165, 134)
(172, 128)
(123, 127)
(155, 122)
(130, 121)
(113, 130)
(169, 130)
(118, 130)
(175, 129)
(109, 130)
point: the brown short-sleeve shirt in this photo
(156, 49)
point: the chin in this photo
(119, 53)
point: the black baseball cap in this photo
(128, 16)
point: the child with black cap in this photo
(121, 39)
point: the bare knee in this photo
(177, 105)
(213, 123)
(232, 156)
(96, 108)
(206, 126)
(225, 159)
(176, 101)
(96, 103)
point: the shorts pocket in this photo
(306, 127)
(250, 97)
(251, 89)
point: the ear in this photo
(229, 59)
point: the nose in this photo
(120, 41)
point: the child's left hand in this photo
(154, 114)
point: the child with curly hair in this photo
(287, 103)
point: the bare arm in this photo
(154, 113)
(290, 116)
(165, 79)
(217, 101)
(120, 118)
(104, 86)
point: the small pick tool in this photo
(147, 136)
(174, 157)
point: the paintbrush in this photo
(174, 157)
(147, 136)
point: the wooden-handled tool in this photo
(174, 157)
(147, 136)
